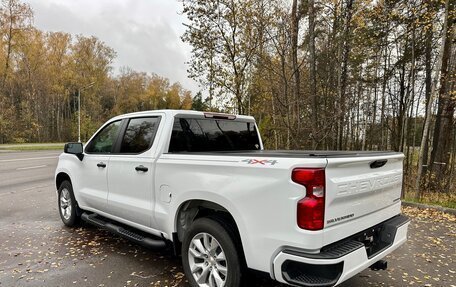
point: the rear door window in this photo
(198, 135)
(139, 135)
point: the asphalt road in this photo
(37, 250)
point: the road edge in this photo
(427, 206)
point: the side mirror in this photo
(74, 148)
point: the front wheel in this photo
(210, 257)
(67, 204)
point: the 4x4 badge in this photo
(260, 161)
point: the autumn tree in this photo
(338, 74)
(225, 36)
(41, 73)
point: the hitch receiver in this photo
(379, 265)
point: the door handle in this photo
(101, 164)
(378, 163)
(141, 168)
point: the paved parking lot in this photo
(37, 250)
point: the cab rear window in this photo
(205, 135)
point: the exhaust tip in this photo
(379, 265)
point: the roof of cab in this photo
(173, 113)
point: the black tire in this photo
(216, 229)
(72, 218)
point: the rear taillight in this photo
(311, 209)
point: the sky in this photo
(144, 33)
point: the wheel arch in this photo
(60, 178)
(192, 209)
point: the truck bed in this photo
(295, 153)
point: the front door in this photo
(93, 185)
(131, 173)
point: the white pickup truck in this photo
(203, 183)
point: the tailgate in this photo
(358, 186)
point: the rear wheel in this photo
(68, 207)
(209, 255)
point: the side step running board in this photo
(130, 235)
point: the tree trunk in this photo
(412, 101)
(9, 43)
(434, 89)
(428, 82)
(344, 71)
(446, 104)
(295, 18)
(374, 113)
(313, 74)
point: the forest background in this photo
(316, 74)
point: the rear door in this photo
(131, 172)
(359, 186)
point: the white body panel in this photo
(130, 192)
(355, 190)
(93, 189)
(261, 197)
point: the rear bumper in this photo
(341, 260)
